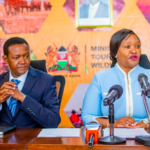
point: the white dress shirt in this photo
(22, 78)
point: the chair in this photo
(60, 84)
(144, 62)
(60, 80)
(39, 64)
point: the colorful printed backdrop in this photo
(77, 54)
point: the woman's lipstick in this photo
(133, 57)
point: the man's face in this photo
(93, 2)
(18, 59)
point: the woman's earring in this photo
(115, 56)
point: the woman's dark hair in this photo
(115, 43)
(13, 41)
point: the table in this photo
(18, 139)
(26, 139)
(78, 143)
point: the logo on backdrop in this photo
(62, 59)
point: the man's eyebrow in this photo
(21, 54)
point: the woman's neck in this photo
(126, 69)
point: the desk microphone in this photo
(143, 80)
(114, 93)
(92, 133)
(91, 140)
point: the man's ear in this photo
(5, 58)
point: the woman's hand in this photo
(125, 122)
(139, 125)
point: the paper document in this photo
(127, 133)
(60, 132)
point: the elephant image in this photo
(35, 5)
(12, 6)
(47, 5)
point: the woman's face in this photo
(129, 53)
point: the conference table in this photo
(26, 139)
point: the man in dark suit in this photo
(27, 95)
(95, 9)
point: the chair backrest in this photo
(39, 64)
(60, 80)
(144, 62)
(60, 84)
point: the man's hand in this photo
(9, 89)
(6, 90)
(18, 95)
(125, 122)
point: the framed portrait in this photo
(94, 13)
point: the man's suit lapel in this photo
(5, 105)
(87, 11)
(100, 11)
(29, 83)
(5, 79)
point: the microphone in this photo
(114, 93)
(143, 80)
(91, 140)
(92, 133)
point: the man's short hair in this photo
(13, 41)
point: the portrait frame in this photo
(104, 17)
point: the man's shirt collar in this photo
(22, 78)
(96, 5)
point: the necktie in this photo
(91, 13)
(13, 102)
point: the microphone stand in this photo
(144, 140)
(146, 106)
(111, 139)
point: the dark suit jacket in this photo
(40, 107)
(102, 11)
